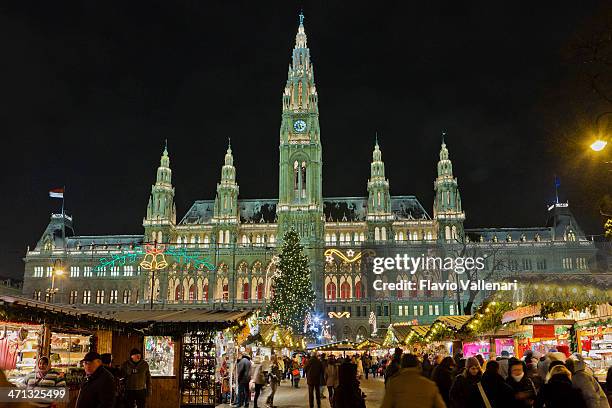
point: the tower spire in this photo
(447, 200)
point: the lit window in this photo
(113, 296)
(73, 297)
(345, 290)
(74, 271)
(39, 271)
(437, 310)
(128, 270)
(49, 271)
(400, 310)
(430, 310)
(87, 271)
(86, 297)
(114, 271)
(415, 310)
(126, 296)
(100, 297)
(451, 310)
(331, 290)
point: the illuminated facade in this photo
(220, 254)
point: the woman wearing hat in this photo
(465, 392)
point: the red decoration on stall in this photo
(543, 331)
(586, 344)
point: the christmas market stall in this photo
(33, 329)
(337, 348)
(451, 332)
(183, 344)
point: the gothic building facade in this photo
(221, 253)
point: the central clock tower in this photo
(300, 203)
(300, 196)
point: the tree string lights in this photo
(292, 294)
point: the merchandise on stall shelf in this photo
(159, 353)
(483, 348)
(596, 345)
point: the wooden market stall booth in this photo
(179, 345)
(182, 345)
(33, 329)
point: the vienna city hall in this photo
(222, 253)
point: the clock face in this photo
(299, 125)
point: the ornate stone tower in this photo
(161, 210)
(300, 203)
(300, 196)
(379, 218)
(447, 201)
(225, 214)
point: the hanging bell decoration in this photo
(154, 258)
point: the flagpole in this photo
(63, 218)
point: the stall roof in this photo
(67, 318)
(179, 316)
(339, 346)
(455, 322)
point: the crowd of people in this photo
(553, 381)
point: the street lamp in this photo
(57, 270)
(600, 143)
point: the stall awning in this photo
(179, 316)
(337, 346)
(454, 322)
(19, 309)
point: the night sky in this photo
(90, 90)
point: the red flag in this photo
(56, 192)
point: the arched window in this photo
(227, 237)
(378, 196)
(245, 291)
(447, 232)
(362, 237)
(376, 234)
(126, 296)
(454, 232)
(159, 236)
(245, 240)
(192, 292)
(178, 292)
(260, 291)
(358, 290)
(345, 290)
(383, 233)
(220, 236)
(296, 175)
(225, 292)
(303, 180)
(331, 290)
(401, 235)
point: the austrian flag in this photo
(57, 193)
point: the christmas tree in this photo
(292, 293)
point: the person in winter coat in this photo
(275, 379)
(522, 386)
(348, 394)
(243, 370)
(258, 377)
(499, 394)
(593, 394)
(331, 377)
(443, 377)
(98, 390)
(464, 393)
(313, 370)
(544, 364)
(394, 366)
(503, 363)
(295, 373)
(558, 391)
(137, 380)
(427, 366)
(409, 388)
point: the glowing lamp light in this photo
(59, 272)
(598, 145)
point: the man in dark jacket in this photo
(243, 370)
(137, 380)
(98, 390)
(314, 370)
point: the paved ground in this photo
(288, 397)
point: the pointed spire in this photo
(443, 149)
(376, 154)
(300, 38)
(229, 158)
(165, 159)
